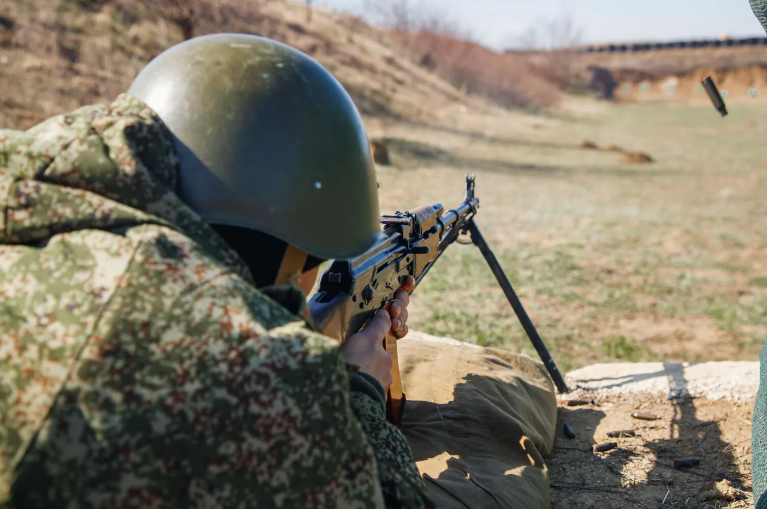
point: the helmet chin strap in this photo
(291, 267)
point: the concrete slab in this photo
(711, 380)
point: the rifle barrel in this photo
(451, 217)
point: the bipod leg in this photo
(527, 324)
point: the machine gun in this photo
(351, 291)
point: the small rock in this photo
(636, 158)
(588, 145)
(380, 152)
(723, 490)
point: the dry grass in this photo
(613, 261)
(57, 55)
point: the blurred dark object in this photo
(380, 150)
(686, 463)
(569, 433)
(715, 95)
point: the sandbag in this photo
(479, 421)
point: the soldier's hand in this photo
(366, 349)
(398, 308)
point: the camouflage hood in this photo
(101, 167)
(760, 9)
(138, 366)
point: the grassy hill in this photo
(56, 55)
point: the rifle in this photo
(351, 291)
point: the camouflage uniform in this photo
(139, 367)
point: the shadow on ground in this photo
(640, 472)
(409, 154)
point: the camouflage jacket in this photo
(139, 367)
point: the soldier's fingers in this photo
(386, 382)
(409, 284)
(378, 326)
(397, 323)
(402, 298)
(402, 332)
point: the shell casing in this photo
(575, 402)
(622, 433)
(645, 417)
(686, 463)
(609, 446)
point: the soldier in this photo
(139, 363)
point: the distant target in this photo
(753, 93)
(698, 88)
(724, 93)
(644, 87)
(626, 88)
(671, 85)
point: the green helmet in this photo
(268, 140)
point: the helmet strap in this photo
(291, 267)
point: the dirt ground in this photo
(640, 471)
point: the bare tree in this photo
(561, 31)
(396, 14)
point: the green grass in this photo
(596, 246)
(623, 349)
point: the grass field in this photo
(613, 261)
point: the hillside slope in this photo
(56, 55)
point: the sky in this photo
(500, 23)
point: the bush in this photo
(475, 69)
